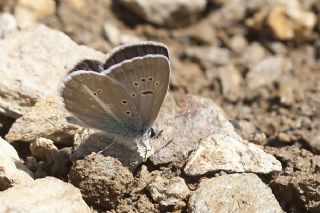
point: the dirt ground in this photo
(268, 85)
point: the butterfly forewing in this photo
(132, 50)
(101, 102)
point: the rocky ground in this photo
(241, 121)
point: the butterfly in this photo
(123, 95)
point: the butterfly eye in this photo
(124, 102)
(150, 79)
(136, 84)
(128, 112)
(142, 79)
(94, 93)
(99, 90)
(157, 83)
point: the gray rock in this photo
(267, 71)
(43, 195)
(102, 180)
(233, 193)
(223, 152)
(12, 170)
(32, 63)
(169, 192)
(7, 23)
(231, 79)
(253, 54)
(159, 12)
(46, 119)
(184, 124)
(208, 57)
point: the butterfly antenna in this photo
(107, 147)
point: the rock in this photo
(208, 57)
(42, 147)
(232, 12)
(139, 203)
(184, 124)
(169, 192)
(315, 142)
(221, 152)
(76, 19)
(12, 170)
(267, 71)
(54, 162)
(43, 195)
(7, 24)
(42, 53)
(46, 119)
(253, 55)
(286, 20)
(102, 180)
(191, 79)
(200, 33)
(112, 33)
(176, 14)
(238, 44)
(231, 80)
(300, 192)
(233, 193)
(33, 11)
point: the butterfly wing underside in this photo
(146, 80)
(100, 102)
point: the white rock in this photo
(169, 192)
(224, 152)
(12, 170)
(267, 71)
(46, 119)
(42, 147)
(32, 63)
(44, 195)
(208, 57)
(233, 193)
(112, 32)
(7, 23)
(161, 12)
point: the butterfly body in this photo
(123, 96)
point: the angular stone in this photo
(233, 193)
(102, 180)
(184, 124)
(43, 195)
(46, 119)
(169, 192)
(159, 12)
(209, 57)
(32, 62)
(267, 71)
(12, 170)
(223, 152)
